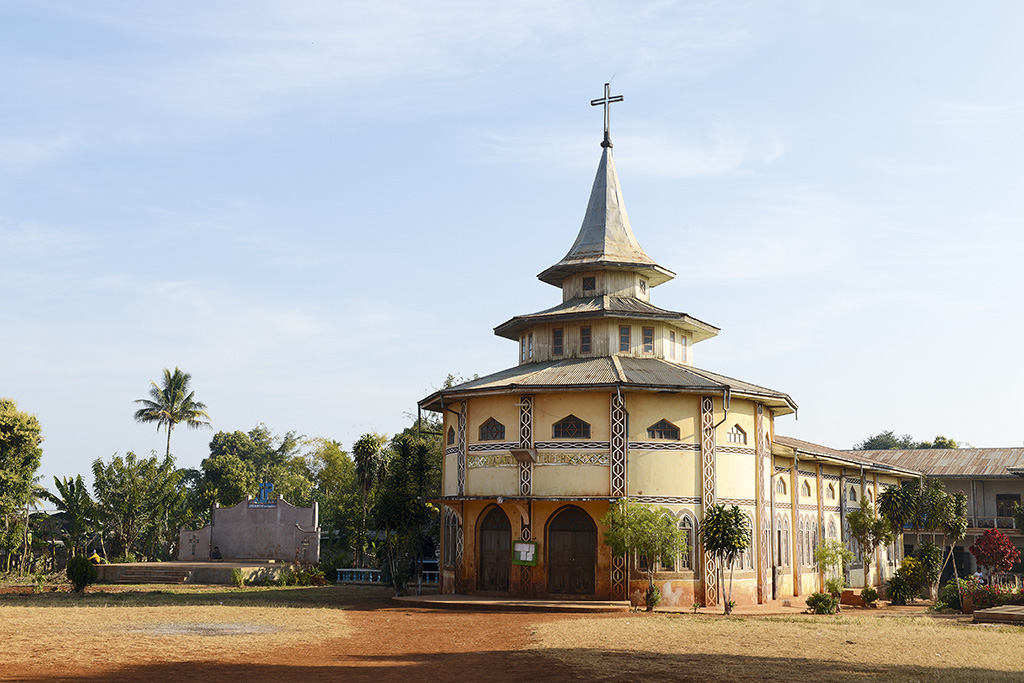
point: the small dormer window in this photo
(585, 339)
(589, 283)
(570, 427)
(529, 346)
(451, 436)
(737, 435)
(663, 429)
(671, 344)
(492, 430)
(556, 342)
(643, 286)
(624, 340)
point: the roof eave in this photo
(556, 274)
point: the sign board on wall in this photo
(524, 552)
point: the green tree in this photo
(401, 514)
(644, 531)
(132, 497)
(871, 532)
(889, 440)
(226, 479)
(73, 499)
(171, 404)
(370, 462)
(725, 532)
(20, 453)
(832, 555)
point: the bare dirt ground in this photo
(331, 635)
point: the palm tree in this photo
(33, 496)
(369, 461)
(73, 499)
(172, 403)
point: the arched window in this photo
(663, 429)
(831, 492)
(800, 548)
(786, 545)
(749, 552)
(814, 540)
(780, 486)
(853, 494)
(737, 435)
(451, 535)
(832, 528)
(570, 427)
(805, 489)
(686, 558)
(451, 436)
(492, 430)
(867, 494)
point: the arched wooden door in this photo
(572, 552)
(495, 551)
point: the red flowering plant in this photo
(995, 552)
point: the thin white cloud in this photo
(26, 151)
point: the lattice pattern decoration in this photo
(487, 447)
(738, 450)
(475, 461)
(460, 546)
(451, 450)
(779, 469)
(667, 500)
(525, 441)
(764, 463)
(572, 446)
(619, 576)
(708, 492)
(573, 459)
(744, 502)
(463, 414)
(664, 446)
(525, 573)
(619, 446)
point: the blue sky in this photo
(320, 209)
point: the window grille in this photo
(737, 435)
(492, 430)
(451, 436)
(624, 341)
(648, 334)
(556, 342)
(570, 427)
(589, 283)
(585, 339)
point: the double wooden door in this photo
(495, 551)
(572, 553)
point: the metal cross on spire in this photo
(606, 101)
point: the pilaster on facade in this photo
(708, 493)
(526, 441)
(794, 523)
(463, 416)
(821, 521)
(764, 509)
(619, 443)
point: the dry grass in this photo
(83, 637)
(806, 648)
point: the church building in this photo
(606, 401)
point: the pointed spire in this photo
(606, 240)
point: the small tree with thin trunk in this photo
(871, 531)
(995, 552)
(645, 532)
(725, 533)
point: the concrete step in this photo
(152, 575)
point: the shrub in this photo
(930, 557)
(124, 559)
(236, 577)
(652, 597)
(81, 573)
(316, 576)
(949, 595)
(912, 571)
(823, 603)
(835, 586)
(869, 595)
(995, 552)
(899, 589)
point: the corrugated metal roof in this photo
(953, 462)
(643, 373)
(853, 457)
(603, 307)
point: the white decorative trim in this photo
(667, 500)
(664, 446)
(708, 492)
(746, 502)
(451, 450)
(618, 446)
(463, 415)
(572, 445)
(489, 447)
(526, 441)
(739, 450)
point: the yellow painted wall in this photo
(594, 408)
(492, 481)
(663, 473)
(571, 480)
(645, 409)
(736, 475)
(501, 408)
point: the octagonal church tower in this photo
(604, 403)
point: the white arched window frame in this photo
(686, 557)
(805, 489)
(737, 435)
